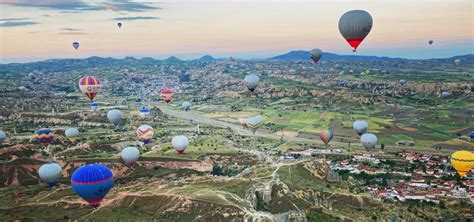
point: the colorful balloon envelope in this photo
(326, 136)
(243, 120)
(251, 81)
(144, 112)
(3, 137)
(186, 106)
(462, 161)
(354, 26)
(71, 134)
(145, 133)
(254, 122)
(360, 126)
(471, 134)
(50, 173)
(75, 45)
(402, 82)
(92, 182)
(94, 106)
(166, 95)
(180, 143)
(368, 141)
(45, 136)
(130, 155)
(316, 55)
(90, 86)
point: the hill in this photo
(301, 55)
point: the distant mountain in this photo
(172, 59)
(207, 58)
(301, 55)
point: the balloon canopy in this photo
(50, 173)
(92, 182)
(180, 143)
(462, 161)
(354, 26)
(90, 86)
(316, 55)
(44, 136)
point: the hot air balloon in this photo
(50, 173)
(94, 106)
(251, 81)
(45, 136)
(471, 134)
(360, 127)
(75, 45)
(402, 82)
(354, 26)
(119, 24)
(445, 94)
(186, 106)
(243, 120)
(368, 140)
(130, 155)
(92, 182)
(144, 112)
(457, 61)
(254, 122)
(3, 136)
(166, 95)
(90, 86)
(326, 136)
(115, 116)
(316, 55)
(71, 134)
(430, 42)
(145, 133)
(180, 143)
(462, 161)
(342, 82)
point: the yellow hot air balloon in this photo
(462, 161)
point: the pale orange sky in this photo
(246, 29)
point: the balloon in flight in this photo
(75, 45)
(71, 134)
(445, 94)
(254, 122)
(360, 126)
(462, 161)
(457, 61)
(94, 106)
(471, 134)
(326, 136)
(251, 81)
(316, 55)
(90, 86)
(144, 112)
(145, 133)
(92, 182)
(3, 136)
(402, 82)
(115, 116)
(354, 26)
(368, 140)
(166, 95)
(180, 143)
(186, 106)
(45, 136)
(430, 42)
(50, 173)
(130, 155)
(119, 24)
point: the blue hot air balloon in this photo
(92, 182)
(75, 45)
(471, 134)
(186, 106)
(3, 136)
(94, 106)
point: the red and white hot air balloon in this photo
(354, 26)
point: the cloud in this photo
(13, 19)
(13, 24)
(70, 29)
(73, 33)
(135, 18)
(81, 5)
(51, 4)
(127, 5)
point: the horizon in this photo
(41, 30)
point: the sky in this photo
(32, 30)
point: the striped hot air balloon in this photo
(90, 86)
(326, 136)
(354, 26)
(145, 133)
(166, 95)
(144, 112)
(44, 136)
(254, 122)
(92, 182)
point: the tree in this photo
(216, 170)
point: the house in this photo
(468, 183)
